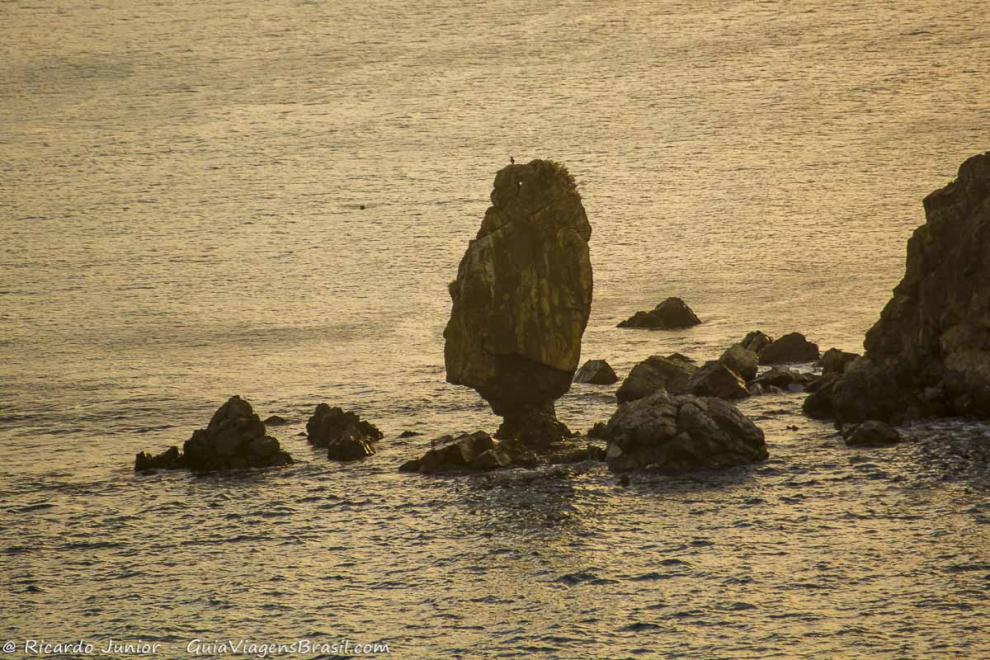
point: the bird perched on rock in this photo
(512, 161)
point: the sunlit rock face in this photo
(522, 295)
(929, 354)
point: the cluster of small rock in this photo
(735, 375)
(344, 434)
(235, 438)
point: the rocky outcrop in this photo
(522, 295)
(871, 433)
(929, 354)
(792, 347)
(671, 314)
(344, 434)
(716, 379)
(596, 372)
(672, 373)
(234, 439)
(672, 433)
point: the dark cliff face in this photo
(929, 354)
(522, 295)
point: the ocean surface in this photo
(269, 199)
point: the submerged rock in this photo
(522, 295)
(716, 379)
(234, 439)
(674, 433)
(871, 433)
(672, 373)
(792, 347)
(929, 354)
(345, 435)
(784, 379)
(596, 372)
(275, 420)
(170, 459)
(671, 314)
(480, 452)
(469, 451)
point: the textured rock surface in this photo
(345, 435)
(716, 379)
(818, 403)
(234, 439)
(672, 373)
(741, 360)
(469, 451)
(523, 293)
(871, 433)
(756, 341)
(596, 372)
(479, 451)
(784, 379)
(792, 347)
(671, 314)
(680, 433)
(929, 354)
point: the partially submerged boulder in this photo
(522, 295)
(596, 372)
(835, 361)
(678, 433)
(672, 373)
(671, 314)
(785, 379)
(716, 379)
(344, 434)
(170, 459)
(871, 433)
(792, 347)
(742, 360)
(929, 354)
(469, 451)
(234, 439)
(480, 452)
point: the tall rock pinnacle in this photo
(522, 298)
